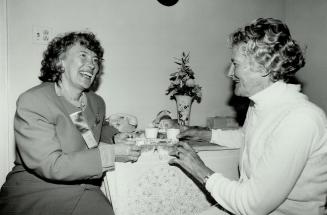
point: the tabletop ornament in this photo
(123, 122)
(183, 89)
(164, 121)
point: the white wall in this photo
(5, 131)
(308, 23)
(140, 40)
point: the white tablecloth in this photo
(152, 187)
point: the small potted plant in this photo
(184, 89)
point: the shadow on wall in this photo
(239, 104)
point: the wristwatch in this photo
(205, 179)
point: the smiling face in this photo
(247, 74)
(80, 67)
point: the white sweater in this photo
(283, 162)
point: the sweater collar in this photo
(276, 92)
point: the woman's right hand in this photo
(126, 152)
(196, 133)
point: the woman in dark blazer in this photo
(63, 144)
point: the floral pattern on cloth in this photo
(160, 189)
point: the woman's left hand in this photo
(126, 152)
(188, 159)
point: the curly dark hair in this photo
(269, 41)
(51, 71)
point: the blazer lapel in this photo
(92, 115)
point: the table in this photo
(152, 187)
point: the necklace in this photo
(80, 103)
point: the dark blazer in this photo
(51, 153)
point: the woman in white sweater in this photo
(283, 162)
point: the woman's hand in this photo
(126, 152)
(189, 160)
(195, 133)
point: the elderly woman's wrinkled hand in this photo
(186, 157)
(127, 152)
(196, 133)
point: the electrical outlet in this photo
(41, 35)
